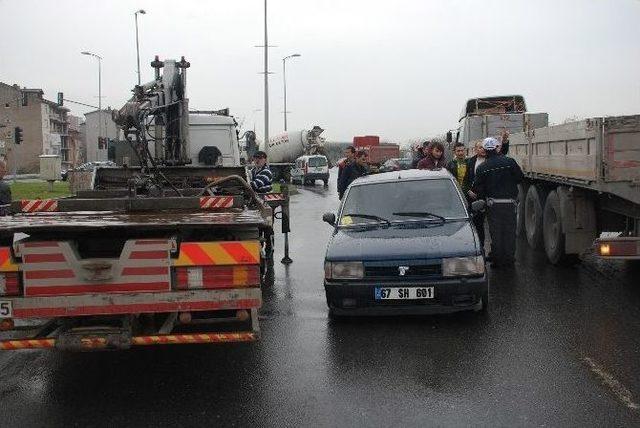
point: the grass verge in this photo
(38, 190)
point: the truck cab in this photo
(213, 140)
(489, 116)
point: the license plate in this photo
(6, 309)
(404, 293)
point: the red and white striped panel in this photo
(273, 197)
(38, 205)
(9, 284)
(213, 202)
(55, 268)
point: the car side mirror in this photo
(479, 205)
(329, 218)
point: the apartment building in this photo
(44, 123)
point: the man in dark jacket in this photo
(419, 154)
(355, 169)
(503, 148)
(497, 181)
(349, 153)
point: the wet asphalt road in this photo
(559, 347)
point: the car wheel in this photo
(533, 211)
(554, 237)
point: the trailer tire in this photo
(554, 236)
(533, 213)
(522, 194)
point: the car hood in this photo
(410, 241)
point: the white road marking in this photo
(619, 390)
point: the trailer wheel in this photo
(522, 194)
(533, 214)
(554, 237)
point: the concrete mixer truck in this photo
(285, 148)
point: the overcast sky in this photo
(400, 69)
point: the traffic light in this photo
(17, 135)
(60, 98)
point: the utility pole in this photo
(266, 82)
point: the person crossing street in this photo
(497, 181)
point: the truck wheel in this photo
(533, 212)
(554, 237)
(522, 194)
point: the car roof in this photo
(405, 175)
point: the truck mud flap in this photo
(94, 339)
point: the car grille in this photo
(393, 272)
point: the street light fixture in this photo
(99, 89)
(284, 80)
(142, 12)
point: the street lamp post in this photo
(142, 12)
(99, 91)
(284, 81)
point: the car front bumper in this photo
(450, 295)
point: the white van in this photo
(309, 168)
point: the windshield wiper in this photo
(369, 217)
(421, 214)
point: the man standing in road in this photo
(5, 191)
(497, 181)
(349, 155)
(472, 166)
(356, 169)
(261, 176)
(458, 166)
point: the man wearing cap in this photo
(261, 176)
(497, 181)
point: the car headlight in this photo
(463, 266)
(343, 270)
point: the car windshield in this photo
(319, 161)
(403, 201)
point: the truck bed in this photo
(107, 220)
(601, 154)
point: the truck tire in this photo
(533, 214)
(522, 194)
(554, 237)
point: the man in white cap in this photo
(497, 181)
